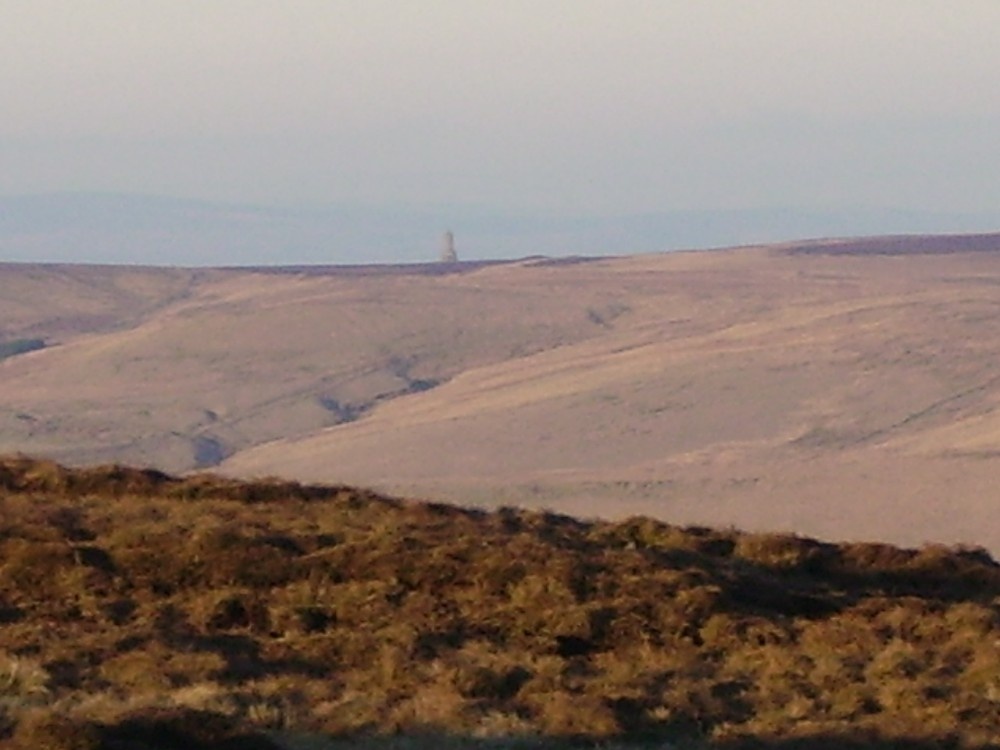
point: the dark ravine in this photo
(15, 347)
(208, 451)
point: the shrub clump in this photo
(203, 611)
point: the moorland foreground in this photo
(140, 611)
(846, 390)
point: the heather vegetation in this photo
(137, 609)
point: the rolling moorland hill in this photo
(142, 611)
(843, 389)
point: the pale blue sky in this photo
(569, 107)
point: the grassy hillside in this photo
(760, 388)
(837, 389)
(133, 603)
(243, 357)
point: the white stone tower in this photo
(448, 254)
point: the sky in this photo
(558, 107)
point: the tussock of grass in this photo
(130, 600)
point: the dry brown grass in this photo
(750, 387)
(130, 600)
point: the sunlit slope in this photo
(250, 357)
(839, 396)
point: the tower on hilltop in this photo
(448, 254)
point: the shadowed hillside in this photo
(133, 604)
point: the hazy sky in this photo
(556, 106)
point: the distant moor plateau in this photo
(840, 389)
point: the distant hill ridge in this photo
(212, 608)
(902, 245)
